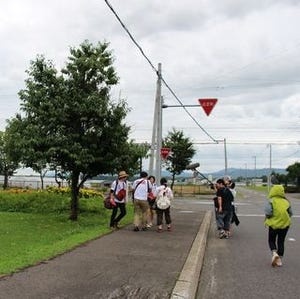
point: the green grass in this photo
(263, 189)
(28, 238)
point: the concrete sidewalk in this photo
(123, 264)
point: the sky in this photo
(244, 53)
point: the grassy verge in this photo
(263, 189)
(30, 237)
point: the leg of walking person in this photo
(280, 243)
(137, 215)
(113, 216)
(144, 208)
(168, 218)
(121, 215)
(272, 239)
(273, 235)
(159, 217)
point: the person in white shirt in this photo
(151, 211)
(118, 191)
(141, 188)
(163, 188)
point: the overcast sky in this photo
(245, 53)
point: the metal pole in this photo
(270, 170)
(225, 154)
(153, 141)
(254, 170)
(159, 126)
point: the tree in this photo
(8, 159)
(182, 152)
(70, 120)
(294, 173)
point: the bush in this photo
(31, 201)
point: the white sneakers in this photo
(276, 260)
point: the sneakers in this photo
(276, 260)
(222, 234)
(169, 228)
(279, 262)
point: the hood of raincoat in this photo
(277, 191)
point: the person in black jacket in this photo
(224, 209)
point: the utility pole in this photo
(270, 168)
(225, 154)
(155, 168)
(254, 170)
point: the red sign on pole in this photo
(207, 105)
(164, 152)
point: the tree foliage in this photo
(69, 119)
(9, 160)
(294, 173)
(182, 152)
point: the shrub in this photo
(45, 202)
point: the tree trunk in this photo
(5, 184)
(173, 179)
(42, 180)
(74, 195)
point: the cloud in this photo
(243, 53)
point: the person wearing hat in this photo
(118, 196)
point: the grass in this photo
(263, 189)
(30, 237)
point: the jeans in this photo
(279, 236)
(223, 220)
(113, 219)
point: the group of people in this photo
(148, 199)
(278, 214)
(224, 206)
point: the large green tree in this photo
(182, 152)
(69, 119)
(294, 173)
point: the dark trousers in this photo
(224, 220)
(276, 239)
(114, 219)
(159, 215)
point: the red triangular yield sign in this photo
(164, 152)
(207, 105)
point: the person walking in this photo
(231, 187)
(163, 193)
(151, 201)
(224, 208)
(118, 192)
(141, 188)
(278, 213)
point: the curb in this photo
(187, 283)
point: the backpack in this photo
(162, 200)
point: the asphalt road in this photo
(240, 267)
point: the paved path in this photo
(122, 264)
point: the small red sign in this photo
(164, 152)
(207, 105)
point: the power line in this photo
(156, 71)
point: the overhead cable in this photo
(156, 71)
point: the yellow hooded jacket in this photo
(279, 211)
